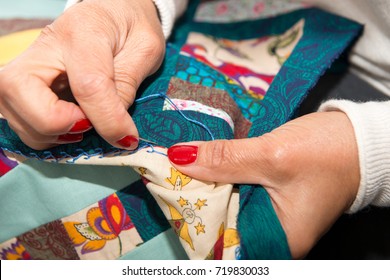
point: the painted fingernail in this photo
(128, 142)
(70, 138)
(81, 126)
(184, 154)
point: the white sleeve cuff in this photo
(371, 123)
(169, 11)
(71, 3)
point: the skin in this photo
(309, 166)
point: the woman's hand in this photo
(309, 167)
(103, 50)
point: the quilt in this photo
(225, 76)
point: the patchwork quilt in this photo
(230, 71)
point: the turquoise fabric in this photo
(165, 246)
(49, 9)
(38, 192)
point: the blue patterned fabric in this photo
(325, 37)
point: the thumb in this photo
(91, 76)
(225, 161)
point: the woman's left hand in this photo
(309, 166)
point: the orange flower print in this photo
(15, 252)
(104, 223)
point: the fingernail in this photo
(184, 154)
(70, 138)
(128, 142)
(81, 126)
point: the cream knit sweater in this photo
(370, 59)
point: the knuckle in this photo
(90, 84)
(47, 36)
(8, 81)
(151, 46)
(47, 32)
(220, 154)
(33, 140)
(48, 126)
(275, 155)
(157, 50)
(36, 145)
(114, 125)
(126, 85)
(156, 45)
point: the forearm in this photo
(372, 132)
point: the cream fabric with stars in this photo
(202, 214)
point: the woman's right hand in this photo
(102, 50)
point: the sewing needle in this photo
(148, 141)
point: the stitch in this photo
(48, 155)
(164, 96)
(18, 153)
(86, 156)
(154, 151)
(64, 155)
(34, 155)
(72, 160)
(115, 152)
(102, 155)
(99, 151)
(118, 153)
(81, 154)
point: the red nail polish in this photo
(70, 138)
(128, 141)
(184, 154)
(81, 126)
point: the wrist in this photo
(370, 123)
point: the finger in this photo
(91, 76)
(136, 61)
(28, 93)
(28, 101)
(52, 142)
(226, 161)
(37, 141)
